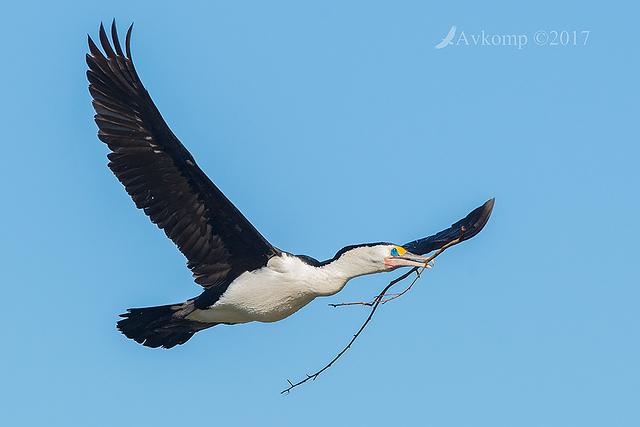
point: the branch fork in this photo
(380, 299)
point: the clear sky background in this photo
(331, 124)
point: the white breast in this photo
(282, 287)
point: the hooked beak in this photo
(405, 260)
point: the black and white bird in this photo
(244, 277)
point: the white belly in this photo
(252, 298)
(270, 294)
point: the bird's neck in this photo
(335, 275)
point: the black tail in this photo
(160, 326)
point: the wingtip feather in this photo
(128, 41)
(104, 41)
(114, 37)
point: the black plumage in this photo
(220, 244)
(471, 224)
(162, 177)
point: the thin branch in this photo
(381, 294)
(375, 303)
(429, 263)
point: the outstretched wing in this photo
(472, 223)
(162, 177)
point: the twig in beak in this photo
(428, 263)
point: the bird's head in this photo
(397, 256)
(376, 258)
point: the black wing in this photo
(162, 177)
(472, 224)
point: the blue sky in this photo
(327, 125)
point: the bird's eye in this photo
(397, 251)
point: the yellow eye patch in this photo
(397, 251)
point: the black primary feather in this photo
(162, 177)
(472, 223)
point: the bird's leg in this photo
(184, 309)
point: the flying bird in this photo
(244, 277)
(447, 40)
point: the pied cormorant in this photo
(244, 277)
